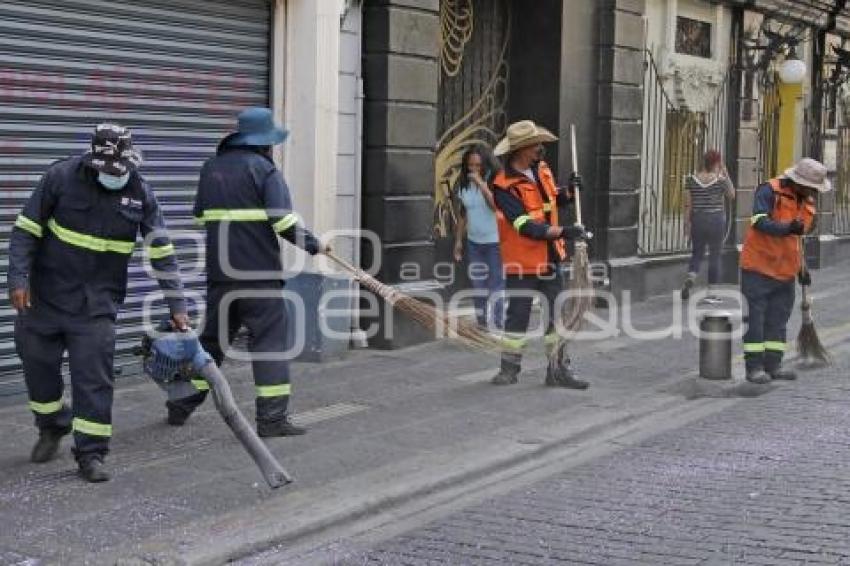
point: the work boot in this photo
(758, 376)
(783, 375)
(504, 377)
(564, 377)
(92, 469)
(283, 427)
(688, 285)
(48, 444)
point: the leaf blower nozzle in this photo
(172, 359)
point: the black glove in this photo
(805, 278)
(796, 227)
(575, 181)
(575, 232)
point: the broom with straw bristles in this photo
(809, 346)
(581, 287)
(442, 323)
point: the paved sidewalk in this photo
(385, 428)
(763, 482)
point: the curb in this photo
(221, 545)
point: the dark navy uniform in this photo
(771, 258)
(70, 246)
(245, 205)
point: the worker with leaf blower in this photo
(771, 258)
(244, 203)
(68, 260)
(532, 244)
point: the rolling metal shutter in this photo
(174, 71)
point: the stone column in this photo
(401, 73)
(620, 112)
(579, 102)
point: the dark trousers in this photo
(521, 290)
(42, 334)
(708, 230)
(266, 320)
(486, 273)
(769, 303)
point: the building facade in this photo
(649, 85)
(383, 96)
(177, 72)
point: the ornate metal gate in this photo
(771, 107)
(475, 38)
(841, 219)
(674, 141)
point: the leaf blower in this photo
(171, 357)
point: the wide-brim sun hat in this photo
(112, 150)
(256, 127)
(809, 173)
(523, 134)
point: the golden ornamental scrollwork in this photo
(456, 24)
(482, 124)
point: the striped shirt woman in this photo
(705, 192)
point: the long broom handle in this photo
(272, 471)
(576, 192)
(804, 304)
(385, 291)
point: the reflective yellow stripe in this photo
(754, 348)
(235, 215)
(551, 338)
(159, 252)
(273, 390)
(90, 428)
(514, 341)
(547, 207)
(30, 226)
(285, 223)
(201, 384)
(87, 242)
(756, 217)
(46, 408)
(775, 346)
(520, 221)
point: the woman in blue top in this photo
(477, 221)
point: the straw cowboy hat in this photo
(523, 134)
(809, 173)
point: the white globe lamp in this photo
(792, 71)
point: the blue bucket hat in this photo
(256, 127)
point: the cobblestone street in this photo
(763, 482)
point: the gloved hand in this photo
(575, 181)
(576, 232)
(805, 278)
(796, 227)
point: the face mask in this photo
(112, 182)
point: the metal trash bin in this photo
(715, 346)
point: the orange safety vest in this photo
(778, 256)
(522, 255)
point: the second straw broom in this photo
(429, 316)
